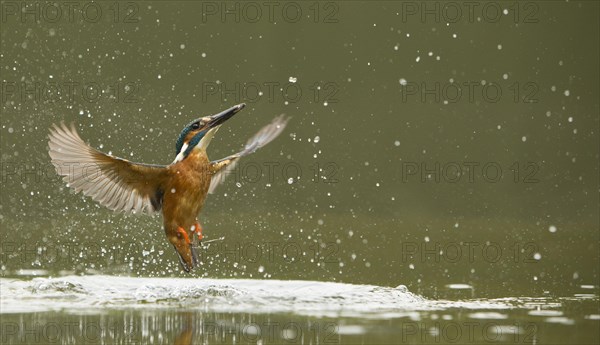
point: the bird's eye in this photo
(195, 125)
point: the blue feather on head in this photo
(193, 142)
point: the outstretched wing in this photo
(224, 166)
(113, 182)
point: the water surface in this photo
(485, 206)
(167, 310)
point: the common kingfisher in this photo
(178, 189)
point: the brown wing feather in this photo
(267, 134)
(113, 182)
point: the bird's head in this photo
(198, 133)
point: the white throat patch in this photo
(181, 153)
(203, 144)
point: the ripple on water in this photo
(350, 330)
(218, 295)
(156, 293)
(459, 286)
(41, 285)
(311, 298)
(488, 316)
(545, 313)
(560, 319)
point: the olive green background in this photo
(365, 218)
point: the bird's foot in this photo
(198, 230)
(184, 234)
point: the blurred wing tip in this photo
(282, 118)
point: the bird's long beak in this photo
(189, 259)
(218, 119)
(213, 122)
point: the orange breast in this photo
(186, 190)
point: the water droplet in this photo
(552, 228)
(316, 139)
(293, 79)
(537, 256)
(290, 180)
(403, 81)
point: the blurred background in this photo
(449, 147)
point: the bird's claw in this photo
(198, 230)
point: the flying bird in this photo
(179, 189)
